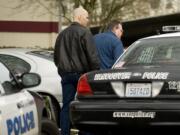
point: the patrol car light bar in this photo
(174, 28)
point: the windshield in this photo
(156, 51)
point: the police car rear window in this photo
(153, 51)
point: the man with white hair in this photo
(81, 15)
(74, 54)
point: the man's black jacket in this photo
(75, 50)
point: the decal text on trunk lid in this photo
(112, 76)
(138, 114)
(155, 75)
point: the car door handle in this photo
(20, 105)
(24, 103)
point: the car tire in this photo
(49, 127)
(56, 112)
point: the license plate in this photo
(138, 90)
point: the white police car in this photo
(23, 60)
(22, 112)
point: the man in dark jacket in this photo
(74, 54)
(109, 45)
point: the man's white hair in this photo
(79, 11)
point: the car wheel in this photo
(49, 127)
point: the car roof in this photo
(40, 53)
(176, 34)
(17, 50)
(23, 50)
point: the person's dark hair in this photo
(112, 24)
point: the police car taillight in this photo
(174, 28)
(83, 87)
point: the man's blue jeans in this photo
(69, 84)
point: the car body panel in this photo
(122, 113)
(18, 111)
(25, 116)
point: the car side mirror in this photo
(30, 80)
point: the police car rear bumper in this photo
(124, 114)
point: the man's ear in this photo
(114, 30)
(116, 27)
(80, 18)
